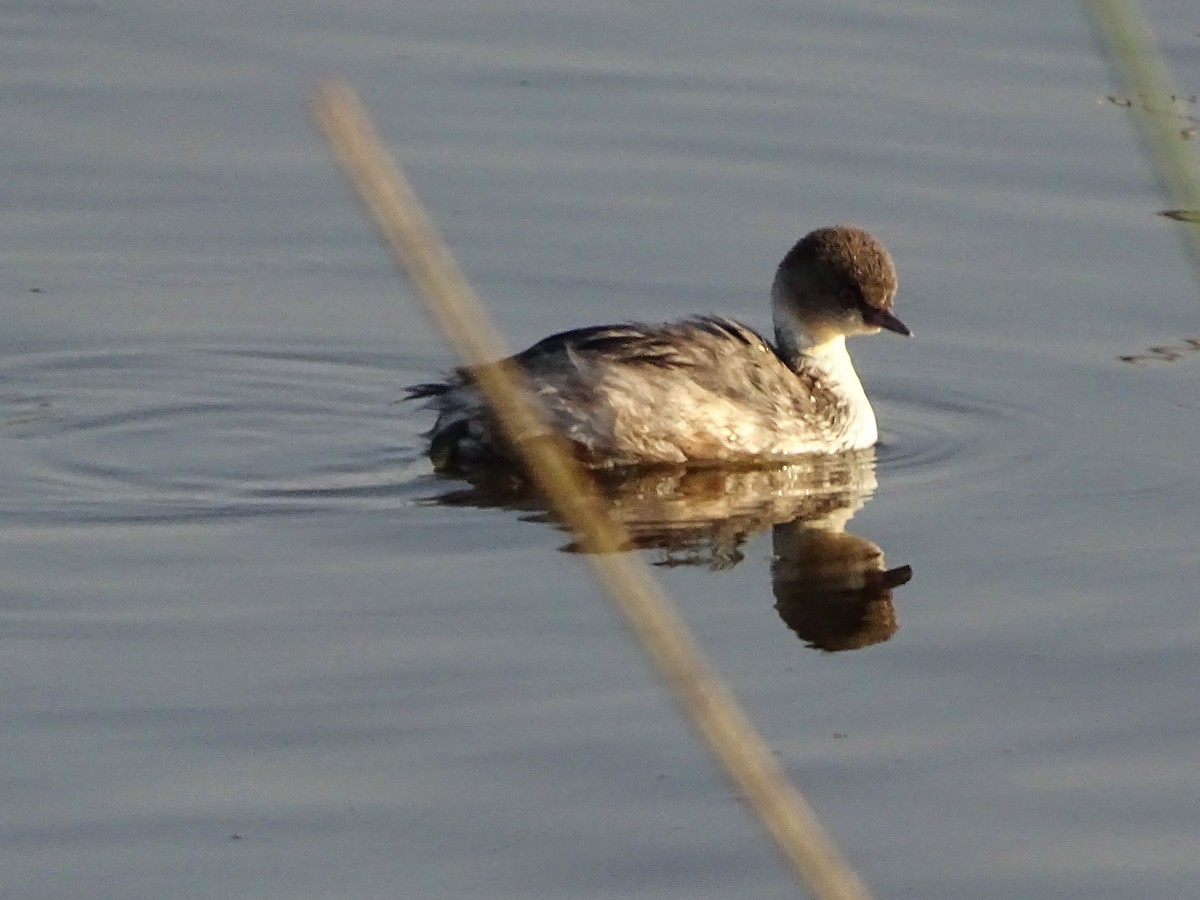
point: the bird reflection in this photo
(831, 587)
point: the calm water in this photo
(251, 647)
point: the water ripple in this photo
(186, 432)
(183, 431)
(965, 437)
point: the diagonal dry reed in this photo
(707, 702)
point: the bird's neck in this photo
(798, 337)
(824, 358)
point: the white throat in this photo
(826, 357)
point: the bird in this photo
(702, 390)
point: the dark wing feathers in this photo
(719, 326)
(669, 345)
(628, 342)
(688, 343)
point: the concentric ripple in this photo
(955, 431)
(168, 432)
(171, 431)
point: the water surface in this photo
(245, 651)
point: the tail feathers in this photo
(427, 390)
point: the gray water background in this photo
(241, 654)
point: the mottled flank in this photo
(706, 388)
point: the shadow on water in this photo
(831, 587)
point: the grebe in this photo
(705, 389)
